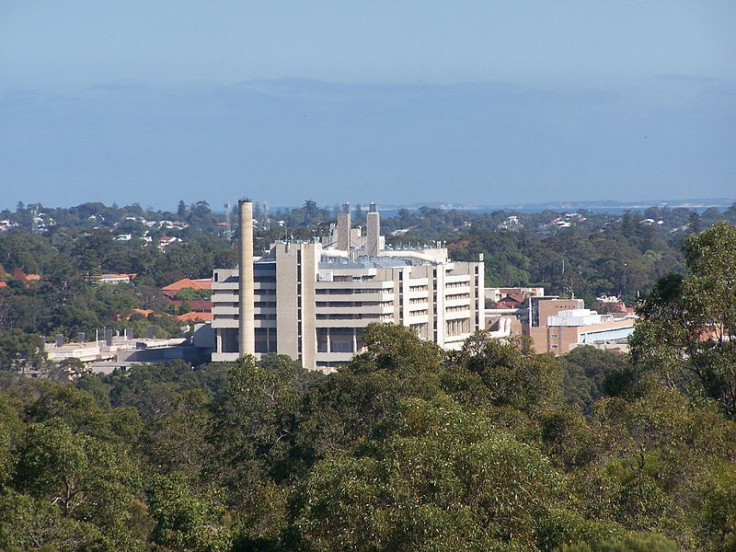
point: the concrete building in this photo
(313, 300)
(558, 325)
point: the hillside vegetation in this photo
(407, 448)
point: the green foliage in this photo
(256, 416)
(20, 350)
(177, 442)
(407, 447)
(85, 478)
(150, 389)
(345, 408)
(27, 523)
(567, 439)
(439, 478)
(589, 373)
(636, 542)
(654, 451)
(530, 383)
(688, 322)
(183, 520)
(718, 509)
(189, 294)
(398, 451)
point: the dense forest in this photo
(407, 448)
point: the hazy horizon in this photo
(473, 104)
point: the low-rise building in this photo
(557, 325)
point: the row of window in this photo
(456, 297)
(456, 327)
(352, 291)
(345, 304)
(359, 316)
(418, 288)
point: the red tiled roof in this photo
(193, 316)
(186, 283)
(512, 299)
(21, 276)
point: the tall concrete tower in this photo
(373, 222)
(343, 228)
(246, 293)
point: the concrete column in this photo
(246, 287)
(343, 228)
(373, 222)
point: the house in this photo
(204, 284)
(113, 278)
(495, 294)
(167, 241)
(511, 301)
(190, 283)
(202, 306)
(21, 276)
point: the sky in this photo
(399, 102)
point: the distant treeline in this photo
(582, 253)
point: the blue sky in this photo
(401, 102)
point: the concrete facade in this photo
(313, 302)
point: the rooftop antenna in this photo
(34, 224)
(227, 220)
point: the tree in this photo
(255, 417)
(635, 542)
(689, 322)
(176, 443)
(718, 510)
(344, 409)
(586, 373)
(438, 478)
(254, 425)
(652, 453)
(87, 479)
(19, 350)
(185, 521)
(528, 382)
